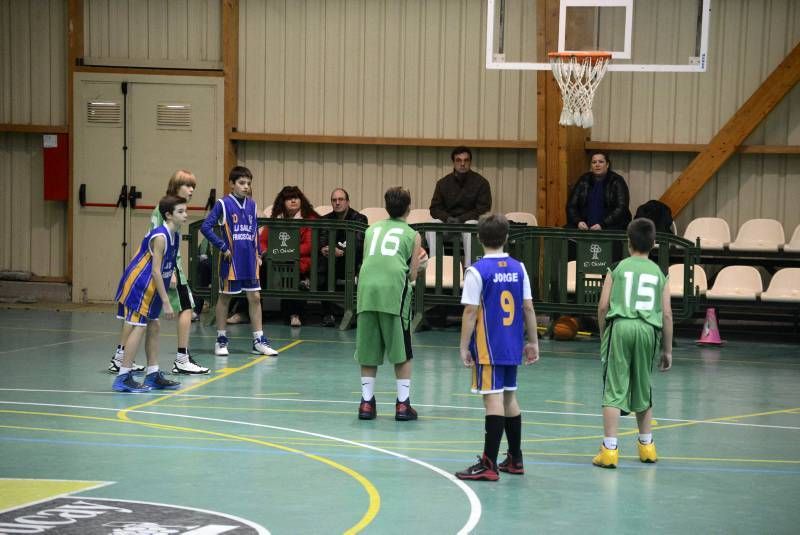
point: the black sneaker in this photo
(512, 465)
(403, 411)
(157, 381)
(328, 320)
(483, 470)
(366, 410)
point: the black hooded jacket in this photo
(617, 198)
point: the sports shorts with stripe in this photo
(379, 334)
(492, 379)
(628, 351)
(238, 286)
(180, 298)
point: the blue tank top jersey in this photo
(499, 331)
(240, 234)
(137, 290)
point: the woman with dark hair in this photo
(599, 199)
(291, 203)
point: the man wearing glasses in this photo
(340, 202)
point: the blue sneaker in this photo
(157, 381)
(221, 347)
(262, 347)
(126, 383)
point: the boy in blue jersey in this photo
(498, 310)
(239, 257)
(142, 292)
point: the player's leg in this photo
(397, 339)
(488, 381)
(261, 344)
(119, 354)
(369, 355)
(513, 428)
(182, 300)
(221, 313)
(154, 377)
(645, 354)
(124, 381)
(616, 358)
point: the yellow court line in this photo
(562, 402)
(726, 418)
(372, 492)
(107, 433)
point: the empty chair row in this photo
(754, 235)
(743, 283)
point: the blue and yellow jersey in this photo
(137, 290)
(239, 236)
(500, 328)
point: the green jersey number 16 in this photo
(390, 243)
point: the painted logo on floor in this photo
(86, 516)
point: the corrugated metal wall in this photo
(153, 33)
(32, 231)
(367, 171)
(33, 62)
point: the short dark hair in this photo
(493, 230)
(641, 234)
(238, 172)
(346, 195)
(397, 200)
(168, 203)
(459, 150)
(602, 153)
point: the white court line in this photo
(430, 406)
(54, 344)
(475, 503)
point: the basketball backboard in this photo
(642, 35)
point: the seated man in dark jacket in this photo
(463, 195)
(599, 199)
(340, 201)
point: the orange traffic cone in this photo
(710, 333)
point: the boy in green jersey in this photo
(634, 313)
(392, 257)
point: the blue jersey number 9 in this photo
(507, 304)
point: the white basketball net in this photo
(578, 77)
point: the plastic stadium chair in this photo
(784, 286)
(522, 217)
(323, 209)
(375, 213)
(419, 215)
(676, 280)
(794, 244)
(759, 235)
(572, 276)
(738, 283)
(714, 232)
(447, 272)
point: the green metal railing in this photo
(544, 251)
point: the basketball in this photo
(565, 328)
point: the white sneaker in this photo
(116, 362)
(221, 347)
(190, 367)
(262, 347)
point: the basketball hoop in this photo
(578, 74)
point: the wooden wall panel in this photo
(366, 171)
(153, 33)
(32, 230)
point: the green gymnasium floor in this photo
(273, 444)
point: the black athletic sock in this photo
(494, 434)
(182, 350)
(514, 435)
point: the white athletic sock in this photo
(367, 388)
(610, 443)
(645, 438)
(119, 354)
(151, 369)
(123, 370)
(403, 389)
(257, 335)
(223, 332)
(183, 358)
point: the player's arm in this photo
(602, 306)
(468, 319)
(532, 328)
(207, 228)
(666, 330)
(158, 246)
(415, 258)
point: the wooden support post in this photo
(230, 67)
(74, 56)
(727, 141)
(561, 156)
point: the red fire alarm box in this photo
(55, 154)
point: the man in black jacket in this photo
(599, 199)
(463, 195)
(340, 201)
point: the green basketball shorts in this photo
(380, 334)
(628, 351)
